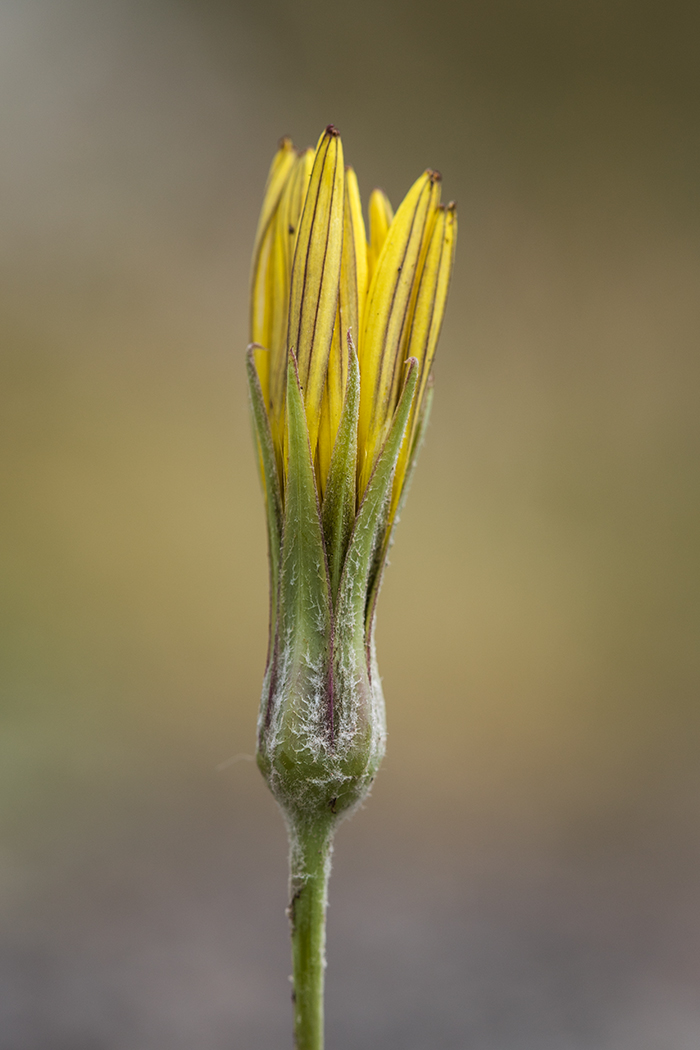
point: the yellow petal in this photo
(353, 291)
(285, 228)
(313, 300)
(280, 168)
(353, 270)
(386, 323)
(428, 312)
(281, 165)
(381, 214)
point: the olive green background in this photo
(526, 875)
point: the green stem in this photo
(309, 868)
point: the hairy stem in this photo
(310, 866)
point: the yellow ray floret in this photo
(351, 301)
(315, 279)
(282, 164)
(285, 232)
(284, 198)
(426, 322)
(313, 299)
(380, 215)
(353, 272)
(387, 317)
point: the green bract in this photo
(321, 731)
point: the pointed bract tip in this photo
(285, 143)
(332, 130)
(293, 357)
(435, 176)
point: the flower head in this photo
(343, 336)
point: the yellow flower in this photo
(343, 336)
(315, 279)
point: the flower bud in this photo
(337, 429)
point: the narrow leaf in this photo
(304, 599)
(379, 564)
(331, 406)
(339, 498)
(369, 524)
(270, 480)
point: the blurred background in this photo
(526, 875)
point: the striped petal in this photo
(313, 300)
(381, 214)
(353, 272)
(351, 301)
(386, 324)
(280, 168)
(285, 228)
(426, 322)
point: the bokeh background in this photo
(527, 872)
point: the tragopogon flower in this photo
(343, 339)
(343, 336)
